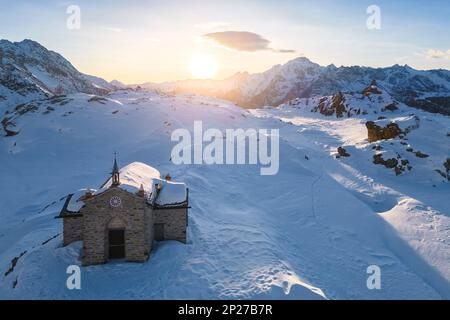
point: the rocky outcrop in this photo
(391, 107)
(389, 163)
(23, 108)
(14, 263)
(392, 163)
(437, 104)
(447, 164)
(98, 99)
(335, 106)
(375, 132)
(420, 154)
(342, 152)
(6, 124)
(372, 89)
(446, 173)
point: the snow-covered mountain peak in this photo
(300, 77)
(30, 71)
(301, 62)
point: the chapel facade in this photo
(126, 215)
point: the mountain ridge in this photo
(301, 78)
(30, 71)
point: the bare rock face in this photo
(336, 106)
(337, 103)
(375, 132)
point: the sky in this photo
(142, 41)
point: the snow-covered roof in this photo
(76, 200)
(134, 175)
(166, 192)
(158, 191)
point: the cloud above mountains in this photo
(438, 54)
(243, 41)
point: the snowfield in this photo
(309, 232)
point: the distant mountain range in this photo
(301, 78)
(28, 70)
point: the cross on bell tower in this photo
(115, 173)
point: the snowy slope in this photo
(308, 232)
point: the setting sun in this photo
(202, 66)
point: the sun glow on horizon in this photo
(203, 66)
